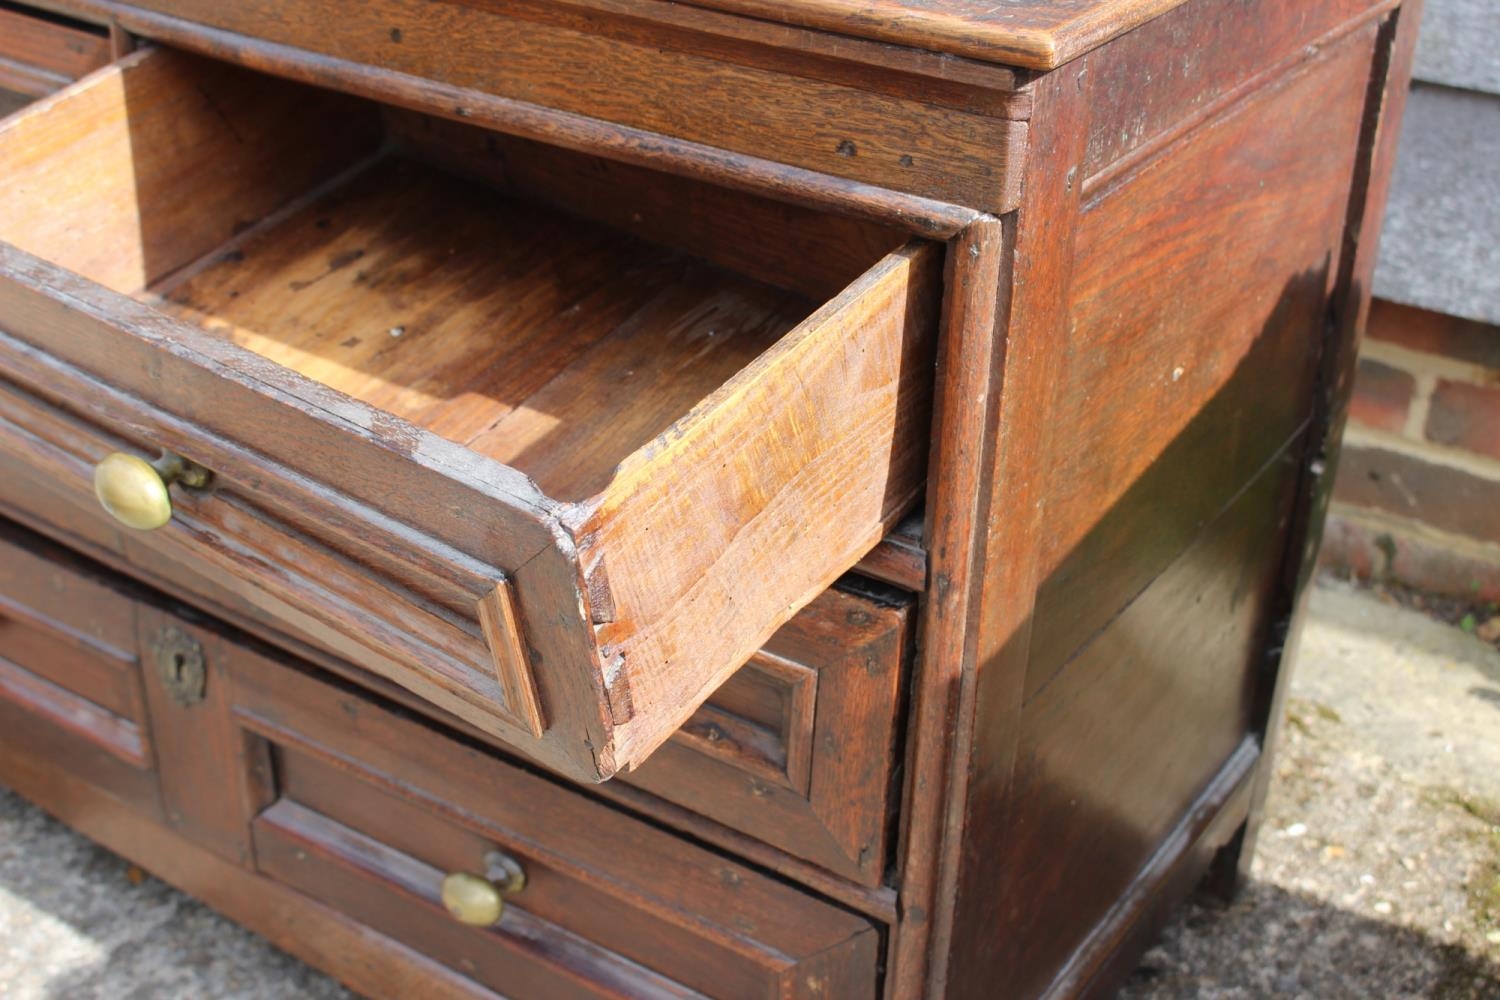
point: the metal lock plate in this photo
(181, 666)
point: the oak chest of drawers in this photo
(750, 498)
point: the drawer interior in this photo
(619, 425)
(510, 297)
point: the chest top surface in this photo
(1036, 34)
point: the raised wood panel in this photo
(1177, 408)
(1158, 81)
(1164, 695)
(797, 749)
(397, 894)
(70, 677)
(369, 962)
(606, 878)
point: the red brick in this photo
(1354, 547)
(1435, 333)
(1382, 395)
(1446, 498)
(1465, 416)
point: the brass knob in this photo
(134, 491)
(476, 899)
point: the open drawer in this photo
(553, 442)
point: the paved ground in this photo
(1378, 876)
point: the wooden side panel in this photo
(1198, 319)
(801, 462)
(1160, 79)
(1119, 745)
(606, 68)
(1198, 310)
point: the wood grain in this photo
(1152, 86)
(361, 322)
(610, 880)
(599, 65)
(96, 175)
(40, 55)
(1074, 832)
(596, 342)
(814, 252)
(864, 359)
(1221, 403)
(814, 780)
(70, 674)
(375, 965)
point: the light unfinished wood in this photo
(650, 430)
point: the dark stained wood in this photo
(1177, 866)
(1072, 829)
(999, 481)
(611, 880)
(1395, 51)
(370, 962)
(553, 504)
(213, 779)
(971, 351)
(70, 676)
(40, 55)
(600, 66)
(1152, 85)
(901, 557)
(1161, 414)
(397, 894)
(797, 747)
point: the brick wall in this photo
(1418, 493)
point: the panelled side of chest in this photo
(1177, 288)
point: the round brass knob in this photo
(472, 900)
(134, 491)
(476, 899)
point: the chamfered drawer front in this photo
(41, 53)
(559, 481)
(71, 692)
(797, 749)
(372, 811)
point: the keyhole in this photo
(178, 663)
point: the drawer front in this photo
(71, 692)
(40, 54)
(797, 748)
(584, 632)
(372, 810)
